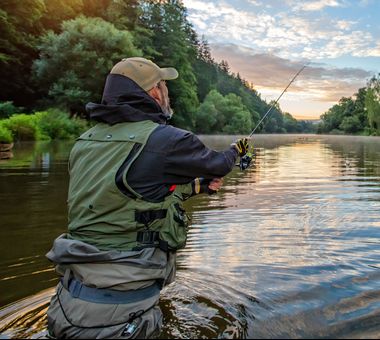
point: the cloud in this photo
(270, 73)
(345, 25)
(316, 5)
(255, 2)
(282, 31)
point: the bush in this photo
(369, 131)
(23, 127)
(44, 125)
(57, 125)
(5, 134)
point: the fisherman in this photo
(129, 176)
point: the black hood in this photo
(125, 101)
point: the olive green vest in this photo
(100, 214)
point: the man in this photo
(129, 175)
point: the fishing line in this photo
(245, 161)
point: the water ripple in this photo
(287, 249)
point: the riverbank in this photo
(43, 125)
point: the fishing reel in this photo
(245, 161)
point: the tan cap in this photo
(144, 72)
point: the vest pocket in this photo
(180, 216)
(175, 228)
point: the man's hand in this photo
(207, 186)
(241, 146)
(215, 184)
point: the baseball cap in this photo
(144, 72)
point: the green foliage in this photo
(223, 114)
(72, 54)
(357, 115)
(7, 109)
(124, 13)
(372, 102)
(291, 124)
(23, 127)
(306, 126)
(340, 117)
(44, 125)
(19, 26)
(5, 134)
(73, 64)
(237, 115)
(350, 124)
(57, 11)
(208, 116)
(174, 39)
(57, 125)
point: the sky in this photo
(268, 41)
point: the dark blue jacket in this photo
(171, 155)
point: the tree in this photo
(175, 40)
(204, 52)
(208, 118)
(360, 109)
(76, 53)
(19, 28)
(274, 123)
(57, 11)
(224, 66)
(332, 119)
(290, 123)
(73, 64)
(236, 115)
(127, 15)
(225, 114)
(372, 103)
(350, 124)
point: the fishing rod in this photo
(245, 161)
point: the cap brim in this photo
(169, 73)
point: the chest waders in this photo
(92, 299)
(100, 213)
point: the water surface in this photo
(288, 249)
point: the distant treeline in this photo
(57, 53)
(357, 115)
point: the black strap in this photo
(149, 239)
(146, 217)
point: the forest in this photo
(55, 54)
(359, 114)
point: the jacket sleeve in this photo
(188, 157)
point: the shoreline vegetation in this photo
(41, 126)
(56, 60)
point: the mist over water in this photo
(287, 249)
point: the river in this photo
(287, 249)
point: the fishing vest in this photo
(100, 213)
